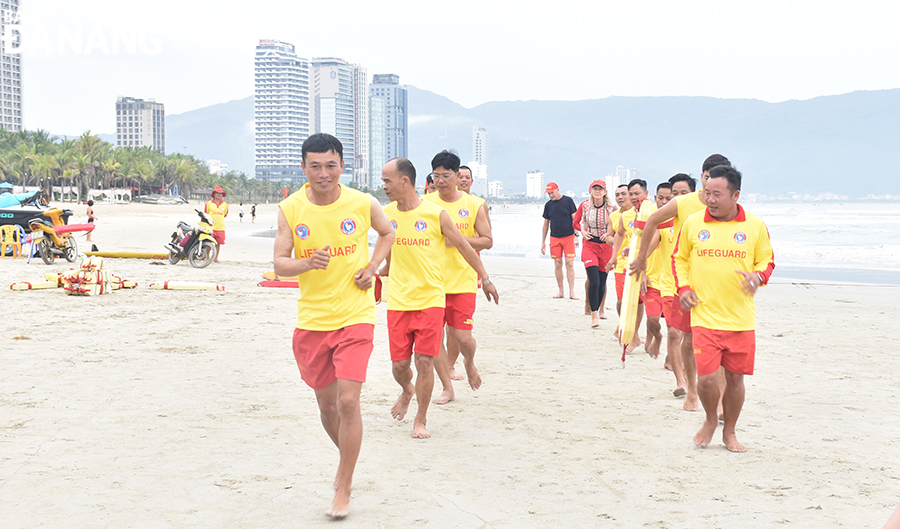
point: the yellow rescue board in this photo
(272, 276)
(632, 293)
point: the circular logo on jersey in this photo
(703, 235)
(302, 231)
(631, 224)
(394, 224)
(740, 238)
(420, 225)
(463, 213)
(348, 226)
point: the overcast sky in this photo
(187, 54)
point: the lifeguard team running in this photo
(701, 260)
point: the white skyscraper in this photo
(534, 184)
(281, 110)
(396, 116)
(480, 144)
(140, 123)
(11, 72)
(495, 188)
(340, 108)
(479, 178)
(377, 132)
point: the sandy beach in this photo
(157, 409)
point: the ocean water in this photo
(852, 242)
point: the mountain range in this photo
(844, 144)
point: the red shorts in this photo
(460, 309)
(652, 302)
(733, 350)
(667, 309)
(595, 254)
(562, 245)
(219, 236)
(424, 328)
(620, 287)
(325, 356)
(679, 318)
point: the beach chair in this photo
(10, 236)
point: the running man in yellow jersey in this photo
(651, 286)
(722, 256)
(679, 210)
(323, 239)
(637, 191)
(460, 280)
(416, 297)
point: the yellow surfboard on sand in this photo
(272, 276)
(632, 293)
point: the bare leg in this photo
(894, 521)
(218, 252)
(720, 381)
(570, 273)
(654, 337)
(733, 402)
(587, 302)
(673, 357)
(690, 371)
(467, 347)
(442, 366)
(709, 397)
(403, 375)
(424, 387)
(558, 268)
(452, 354)
(339, 409)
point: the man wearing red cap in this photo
(218, 210)
(559, 213)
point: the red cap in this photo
(219, 189)
(552, 187)
(597, 182)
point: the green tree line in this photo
(37, 159)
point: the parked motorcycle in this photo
(196, 244)
(52, 237)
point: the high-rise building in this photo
(140, 123)
(11, 71)
(534, 184)
(281, 110)
(480, 144)
(495, 188)
(377, 133)
(340, 107)
(479, 178)
(396, 110)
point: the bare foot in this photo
(340, 505)
(595, 320)
(705, 434)
(679, 392)
(666, 364)
(633, 345)
(691, 403)
(731, 442)
(398, 410)
(454, 375)
(474, 375)
(559, 296)
(419, 431)
(446, 396)
(602, 316)
(573, 297)
(587, 307)
(617, 333)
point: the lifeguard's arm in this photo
(285, 264)
(486, 213)
(455, 237)
(483, 239)
(382, 225)
(669, 211)
(544, 236)
(617, 244)
(763, 265)
(611, 234)
(226, 209)
(578, 221)
(681, 263)
(894, 521)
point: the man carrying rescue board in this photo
(722, 256)
(322, 239)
